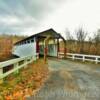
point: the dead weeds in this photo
(29, 79)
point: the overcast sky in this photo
(31, 16)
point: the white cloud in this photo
(25, 15)
(34, 16)
(12, 20)
(71, 15)
(9, 20)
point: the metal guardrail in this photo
(83, 57)
(17, 64)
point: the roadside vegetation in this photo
(6, 45)
(81, 42)
(27, 82)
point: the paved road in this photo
(71, 81)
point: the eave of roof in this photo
(38, 34)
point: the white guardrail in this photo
(16, 63)
(83, 57)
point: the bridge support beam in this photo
(46, 48)
(58, 48)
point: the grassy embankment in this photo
(25, 83)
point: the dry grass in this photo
(26, 83)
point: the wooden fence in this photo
(17, 64)
(83, 57)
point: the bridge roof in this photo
(43, 34)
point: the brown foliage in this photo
(26, 83)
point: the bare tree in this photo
(90, 43)
(81, 36)
(97, 37)
(68, 35)
(70, 41)
(96, 41)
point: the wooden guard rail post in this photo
(83, 57)
(17, 64)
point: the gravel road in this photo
(70, 80)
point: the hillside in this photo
(6, 45)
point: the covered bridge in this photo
(44, 43)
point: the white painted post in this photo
(54, 50)
(25, 62)
(83, 58)
(73, 56)
(96, 60)
(1, 74)
(32, 59)
(37, 55)
(16, 65)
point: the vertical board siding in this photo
(25, 49)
